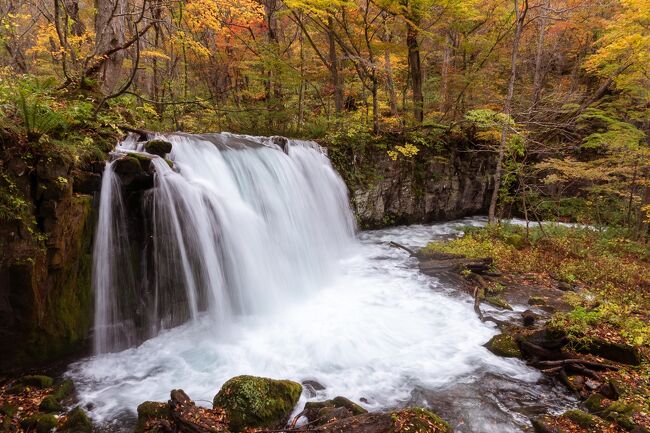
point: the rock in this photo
(158, 147)
(413, 420)
(312, 387)
(564, 286)
(504, 345)
(151, 411)
(542, 425)
(528, 318)
(77, 421)
(536, 300)
(621, 412)
(40, 423)
(38, 381)
(610, 389)
(322, 412)
(50, 404)
(63, 390)
(583, 419)
(251, 401)
(594, 403)
(188, 417)
(87, 183)
(619, 352)
(498, 302)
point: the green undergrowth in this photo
(609, 272)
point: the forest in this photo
(498, 147)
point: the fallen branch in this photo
(402, 247)
(579, 361)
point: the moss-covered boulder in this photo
(498, 302)
(583, 419)
(63, 390)
(39, 423)
(322, 412)
(158, 147)
(77, 421)
(50, 404)
(151, 411)
(251, 401)
(504, 345)
(595, 403)
(37, 381)
(418, 420)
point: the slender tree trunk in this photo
(388, 69)
(539, 54)
(334, 67)
(444, 74)
(415, 71)
(520, 15)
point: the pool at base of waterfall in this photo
(378, 332)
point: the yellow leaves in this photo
(154, 54)
(408, 151)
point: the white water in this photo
(303, 301)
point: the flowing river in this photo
(314, 302)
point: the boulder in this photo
(77, 421)
(322, 412)
(151, 411)
(158, 147)
(39, 423)
(619, 352)
(412, 420)
(50, 404)
(251, 401)
(38, 381)
(504, 345)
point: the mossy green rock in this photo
(418, 420)
(77, 422)
(251, 401)
(504, 345)
(158, 147)
(583, 419)
(50, 404)
(594, 403)
(40, 423)
(63, 390)
(37, 381)
(498, 302)
(151, 410)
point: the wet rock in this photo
(504, 345)
(536, 300)
(321, 412)
(158, 147)
(53, 168)
(312, 387)
(63, 390)
(77, 421)
(610, 389)
(87, 182)
(40, 423)
(564, 286)
(413, 420)
(498, 302)
(251, 401)
(50, 404)
(38, 381)
(149, 412)
(134, 172)
(543, 425)
(528, 318)
(595, 403)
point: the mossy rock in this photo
(151, 410)
(63, 390)
(418, 420)
(504, 345)
(321, 412)
(37, 381)
(158, 147)
(621, 412)
(77, 421)
(594, 403)
(583, 419)
(251, 401)
(50, 404)
(544, 425)
(40, 423)
(498, 302)
(536, 300)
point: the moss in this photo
(63, 390)
(77, 421)
(38, 381)
(621, 412)
(41, 423)
(583, 419)
(150, 410)
(50, 404)
(158, 147)
(418, 420)
(504, 345)
(536, 300)
(499, 302)
(594, 403)
(251, 401)
(349, 405)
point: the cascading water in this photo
(231, 231)
(253, 249)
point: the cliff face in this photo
(45, 257)
(429, 189)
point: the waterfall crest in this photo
(238, 226)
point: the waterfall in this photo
(236, 226)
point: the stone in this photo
(619, 352)
(251, 401)
(77, 421)
(63, 390)
(504, 345)
(321, 412)
(37, 381)
(594, 403)
(528, 318)
(498, 302)
(40, 423)
(151, 410)
(158, 147)
(542, 425)
(583, 419)
(50, 404)
(536, 300)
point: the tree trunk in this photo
(415, 71)
(111, 29)
(520, 15)
(444, 74)
(337, 82)
(388, 68)
(539, 53)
